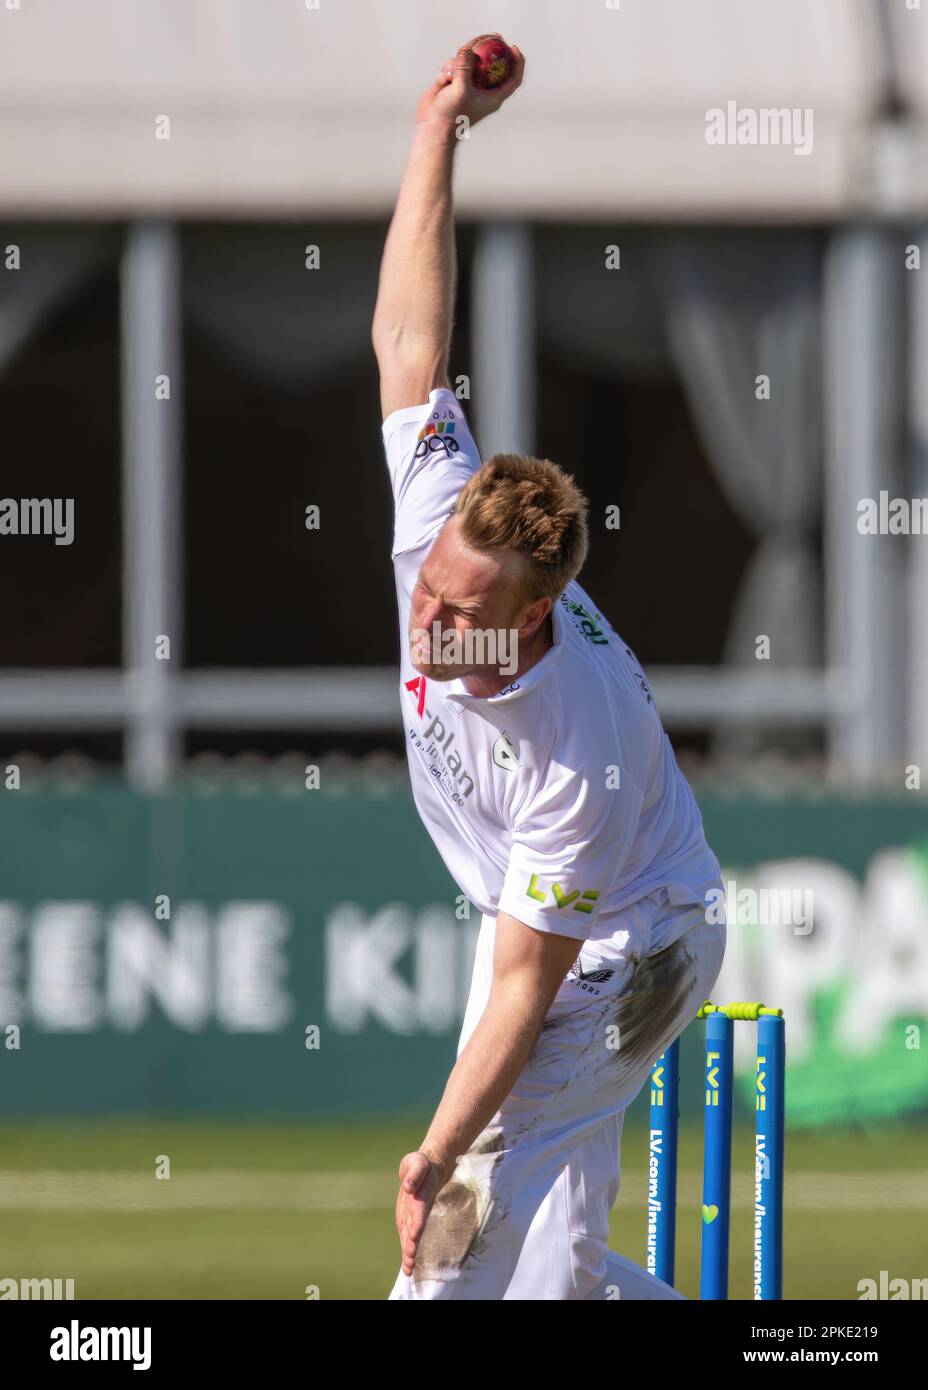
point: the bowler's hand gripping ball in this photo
(495, 62)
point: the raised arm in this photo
(411, 331)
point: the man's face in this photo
(476, 602)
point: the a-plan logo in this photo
(445, 763)
(417, 687)
(581, 902)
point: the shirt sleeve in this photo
(430, 456)
(568, 850)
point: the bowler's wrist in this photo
(437, 129)
(443, 1164)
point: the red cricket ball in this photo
(495, 61)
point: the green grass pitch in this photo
(259, 1211)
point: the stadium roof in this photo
(280, 108)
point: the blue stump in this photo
(716, 1177)
(662, 1163)
(768, 1158)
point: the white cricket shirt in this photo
(558, 800)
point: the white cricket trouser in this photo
(525, 1214)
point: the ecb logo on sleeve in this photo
(506, 754)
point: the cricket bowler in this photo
(542, 772)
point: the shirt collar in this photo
(527, 681)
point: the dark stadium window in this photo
(661, 578)
(272, 429)
(613, 412)
(59, 402)
(613, 409)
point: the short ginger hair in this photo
(532, 507)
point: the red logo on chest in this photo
(417, 686)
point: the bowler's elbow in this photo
(409, 368)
